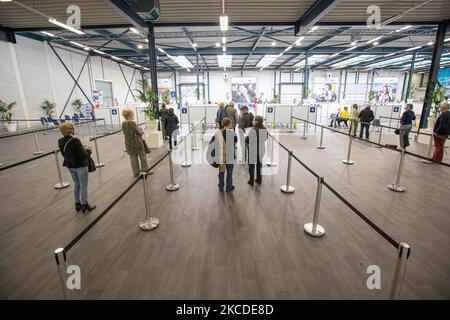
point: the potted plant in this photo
(372, 96)
(77, 105)
(150, 99)
(48, 107)
(437, 96)
(275, 97)
(166, 97)
(412, 92)
(6, 114)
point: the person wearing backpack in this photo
(221, 154)
(76, 159)
(231, 113)
(219, 115)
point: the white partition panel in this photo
(111, 116)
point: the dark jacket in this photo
(170, 123)
(246, 120)
(366, 115)
(407, 117)
(442, 125)
(75, 155)
(256, 141)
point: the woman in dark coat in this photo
(171, 126)
(256, 141)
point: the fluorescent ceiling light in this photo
(44, 32)
(146, 40)
(354, 60)
(126, 61)
(267, 60)
(77, 44)
(218, 44)
(351, 48)
(224, 40)
(54, 21)
(390, 54)
(116, 58)
(134, 30)
(353, 43)
(98, 51)
(140, 46)
(188, 70)
(313, 59)
(161, 50)
(334, 55)
(446, 40)
(274, 43)
(315, 28)
(430, 43)
(376, 43)
(287, 49)
(182, 61)
(403, 28)
(224, 61)
(373, 40)
(224, 49)
(415, 48)
(223, 23)
(5, 0)
(195, 45)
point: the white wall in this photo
(31, 73)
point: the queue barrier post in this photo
(396, 187)
(172, 186)
(430, 146)
(314, 229)
(61, 184)
(99, 164)
(379, 138)
(403, 253)
(321, 139)
(61, 265)
(291, 126)
(106, 127)
(89, 129)
(287, 188)
(271, 163)
(194, 146)
(304, 137)
(36, 144)
(186, 163)
(149, 223)
(349, 150)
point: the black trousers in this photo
(366, 126)
(251, 171)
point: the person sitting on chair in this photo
(334, 117)
(344, 116)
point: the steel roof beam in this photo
(124, 10)
(319, 9)
(191, 40)
(263, 30)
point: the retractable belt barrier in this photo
(314, 229)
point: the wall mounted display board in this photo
(385, 89)
(243, 90)
(326, 89)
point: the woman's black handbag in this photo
(91, 163)
(397, 131)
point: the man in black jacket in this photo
(441, 131)
(365, 117)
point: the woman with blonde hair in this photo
(134, 143)
(76, 159)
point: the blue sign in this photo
(312, 109)
(183, 110)
(396, 109)
(173, 94)
(114, 112)
(270, 110)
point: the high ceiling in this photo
(257, 28)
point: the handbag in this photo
(146, 147)
(397, 131)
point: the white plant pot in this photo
(152, 125)
(431, 122)
(11, 127)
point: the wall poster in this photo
(243, 90)
(385, 89)
(325, 89)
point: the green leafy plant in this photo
(166, 97)
(77, 104)
(147, 96)
(372, 96)
(412, 91)
(275, 97)
(6, 110)
(437, 96)
(48, 107)
(179, 101)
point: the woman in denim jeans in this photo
(76, 159)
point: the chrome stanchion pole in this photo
(287, 188)
(99, 164)
(149, 223)
(186, 163)
(314, 229)
(195, 147)
(379, 138)
(321, 139)
(430, 146)
(61, 265)
(291, 128)
(36, 144)
(106, 127)
(349, 150)
(304, 131)
(95, 127)
(271, 163)
(61, 184)
(172, 186)
(400, 269)
(396, 187)
(89, 129)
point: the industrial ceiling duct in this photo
(147, 9)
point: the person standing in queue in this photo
(406, 122)
(231, 113)
(365, 118)
(162, 116)
(219, 115)
(256, 141)
(245, 122)
(441, 131)
(223, 155)
(134, 143)
(354, 119)
(171, 125)
(76, 159)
